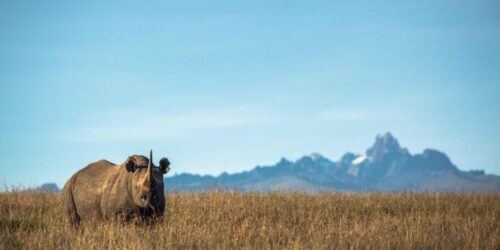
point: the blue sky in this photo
(227, 85)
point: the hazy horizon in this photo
(220, 86)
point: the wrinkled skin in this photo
(106, 190)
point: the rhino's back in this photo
(87, 185)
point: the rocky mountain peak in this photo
(385, 145)
(316, 157)
(437, 160)
(347, 158)
(284, 163)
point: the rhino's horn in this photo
(150, 166)
(150, 158)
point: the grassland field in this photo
(230, 220)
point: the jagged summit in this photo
(314, 159)
(284, 163)
(316, 156)
(385, 145)
(347, 158)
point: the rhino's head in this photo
(147, 180)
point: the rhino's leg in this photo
(69, 203)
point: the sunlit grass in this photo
(35, 220)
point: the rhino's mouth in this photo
(148, 200)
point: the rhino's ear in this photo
(164, 165)
(130, 164)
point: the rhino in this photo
(103, 190)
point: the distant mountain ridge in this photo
(48, 187)
(385, 167)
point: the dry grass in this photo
(219, 220)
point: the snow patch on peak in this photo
(360, 159)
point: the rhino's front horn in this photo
(150, 158)
(150, 165)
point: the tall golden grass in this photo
(225, 220)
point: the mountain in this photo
(385, 167)
(48, 187)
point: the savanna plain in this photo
(231, 220)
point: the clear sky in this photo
(227, 85)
